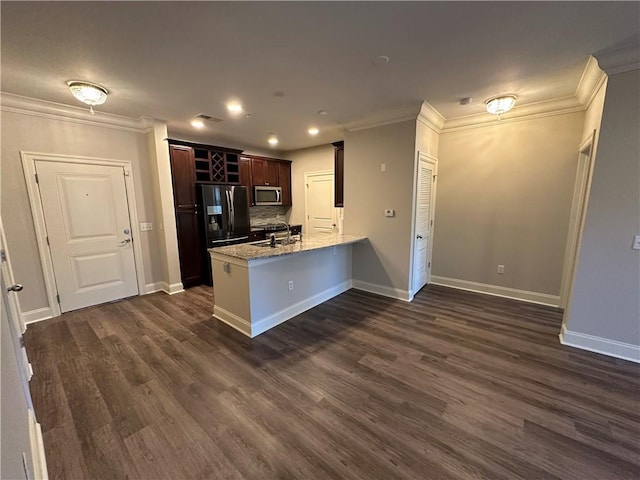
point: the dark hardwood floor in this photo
(454, 385)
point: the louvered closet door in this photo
(423, 225)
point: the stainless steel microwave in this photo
(264, 195)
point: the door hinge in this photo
(58, 297)
(3, 256)
(126, 172)
(431, 224)
(429, 264)
(36, 175)
(48, 241)
(434, 178)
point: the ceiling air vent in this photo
(208, 118)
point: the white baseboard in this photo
(498, 291)
(277, 318)
(163, 287)
(37, 315)
(383, 290)
(38, 456)
(154, 287)
(174, 288)
(613, 348)
(255, 328)
(233, 320)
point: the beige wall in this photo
(605, 300)
(385, 259)
(504, 197)
(307, 160)
(45, 135)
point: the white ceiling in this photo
(172, 60)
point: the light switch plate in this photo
(636, 242)
(145, 227)
(389, 212)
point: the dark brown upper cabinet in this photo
(264, 171)
(338, 165)
(284, 182)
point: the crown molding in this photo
(547, 108)
(620, 59)
(593, 77)
(58, 111)
(431, 117)
(388, 117)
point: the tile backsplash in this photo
(266, 215)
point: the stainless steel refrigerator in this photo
(226, 216)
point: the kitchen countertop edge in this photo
(249, 251)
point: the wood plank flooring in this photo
(455, 385)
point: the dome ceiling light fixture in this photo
(501, 104)
(88, 93)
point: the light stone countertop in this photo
(316, 241)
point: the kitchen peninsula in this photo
(258, 287)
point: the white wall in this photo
(504, 197)
(313, 159)
(28, 132)
(384, 260)
(605, 300)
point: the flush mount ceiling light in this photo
(88, 93)
(273, 140)
(197, 123)
(501, 104)
(313, 131)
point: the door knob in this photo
(15, 288)
(125, 241)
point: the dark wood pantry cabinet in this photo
(183, 173)
(338, 163)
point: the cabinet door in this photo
(183, 174)
(245, 176)
(339, 174)
(189, 247)
(284, 178)
(258, 171)
(271, 173)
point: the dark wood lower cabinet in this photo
(190, 247)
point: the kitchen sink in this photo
(279, 243)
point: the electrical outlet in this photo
(501, 269)
(290, 285)
(636, 242)
(389, 212)
(383, 167)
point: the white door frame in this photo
(581, 190)
(29, 169)
(414, 211)
(306, 196)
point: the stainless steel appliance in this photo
(225, 211)
(264, 195)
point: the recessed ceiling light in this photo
(197, 123)
(501, 104)
(273, 140)
(234, 107)
(313, 131)
(323, 112)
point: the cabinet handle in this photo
(266, 183)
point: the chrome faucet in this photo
(288, 230)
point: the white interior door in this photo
(321, 213)
(89, 232)
(423, 224)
